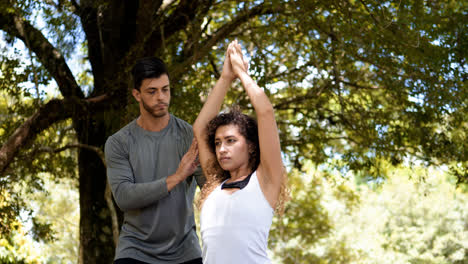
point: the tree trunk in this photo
(96, 243)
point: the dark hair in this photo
(149, 67)
(247, 128)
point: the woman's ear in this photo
(251, 149)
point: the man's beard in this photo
(152, 112)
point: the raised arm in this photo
(209, 110)
(270, 170)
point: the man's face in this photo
(154, 96)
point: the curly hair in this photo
(247, 127)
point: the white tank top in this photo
(235, 227)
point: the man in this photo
(151, 164)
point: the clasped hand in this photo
(234, 63)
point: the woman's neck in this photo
(239, 174)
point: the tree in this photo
(49, 234)
(362, 80)
(304, 234)
(416, 216)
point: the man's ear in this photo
(136, 94)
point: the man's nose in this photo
(159, 96)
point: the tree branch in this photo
(185, 12)
(194, 30)
(294, 70)
(222, 33)
(76, 6)
(50, 113)
(310, 95)
(89, 20)
(107, 192)
(145, 19)
(74, 145)
(359, 86)
(47, 54)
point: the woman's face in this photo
(232, 149)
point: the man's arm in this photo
(130, 195)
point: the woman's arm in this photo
(209, 110)
(271, 168)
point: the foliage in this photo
(307, 221)
(18, 101)
(417, 215)
(57, 209)
(362, 80)
(17, 248)
(27, 179)
(359, 82)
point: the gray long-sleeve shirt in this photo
(158, 225)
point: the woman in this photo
(244, 170)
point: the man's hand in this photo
(187, 166)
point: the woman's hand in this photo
(227, 72)
(239, 65)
